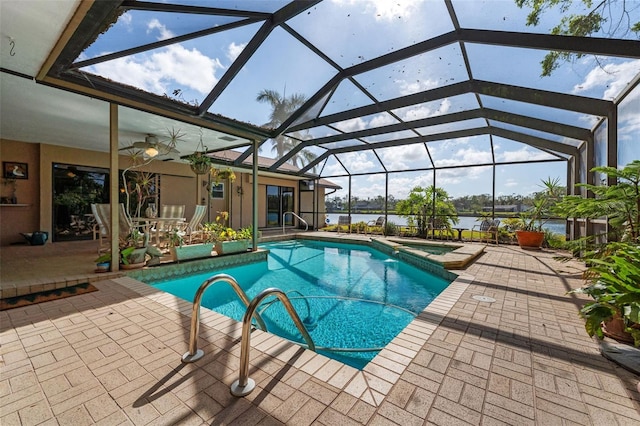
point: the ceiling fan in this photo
(152, 147)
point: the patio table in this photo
(460, 232)
(148, 224)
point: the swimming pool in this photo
(353, 299)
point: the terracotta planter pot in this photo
(614, 328)
(131, 266)
(530, 239)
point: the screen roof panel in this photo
(508, 151)
(443, 106)
(500, 15)
(407, 157)
(521, 67)
(286, 59)
(342, 29)
(270, 6)
(428, 70)
(461, 151)
(139, 27)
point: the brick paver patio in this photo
(112, 357)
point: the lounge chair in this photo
(194, 226)
(344, 221)
(102, 228)
(171, 218)
(374, 224)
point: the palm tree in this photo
(283, 107)
(300, 158)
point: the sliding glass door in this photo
(74, 189)
(279, 201)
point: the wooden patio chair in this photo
(487, 230)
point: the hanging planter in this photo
(219, 175)
(199, 161)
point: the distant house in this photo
(515, 208)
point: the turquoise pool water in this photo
(353, 299)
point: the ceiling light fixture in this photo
(151, 151)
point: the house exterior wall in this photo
(179, 185)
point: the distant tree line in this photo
(466, 205)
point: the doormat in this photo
(45, 296)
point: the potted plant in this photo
(529, 231)
(614, 266)
(133, 253)
(179, 251)
(614, 276)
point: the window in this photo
(217, 191)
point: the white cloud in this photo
(415, 86)
(126, 19)
(523, 154)
(611, 78)
(389, 10)
(351, 125)
(455, 176)
(358, 162)
(404, 157)
(382, 120)
(233, 50)
(465, 155)
(423, 111)
(162, 71)
(154, 24)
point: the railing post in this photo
(194, 353)
(245, 385)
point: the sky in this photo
(342, 30)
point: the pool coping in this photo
(459, 258)
(371, 384)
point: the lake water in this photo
(466, 222)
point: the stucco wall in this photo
(16, 219)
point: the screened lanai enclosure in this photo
(377, 96)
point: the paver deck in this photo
(113, 357)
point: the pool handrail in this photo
(194, 353)
(244, 385)
(306, 225)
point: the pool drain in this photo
(482, 298)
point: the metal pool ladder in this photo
(244, 385)
(306, 225)
(194, 353)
